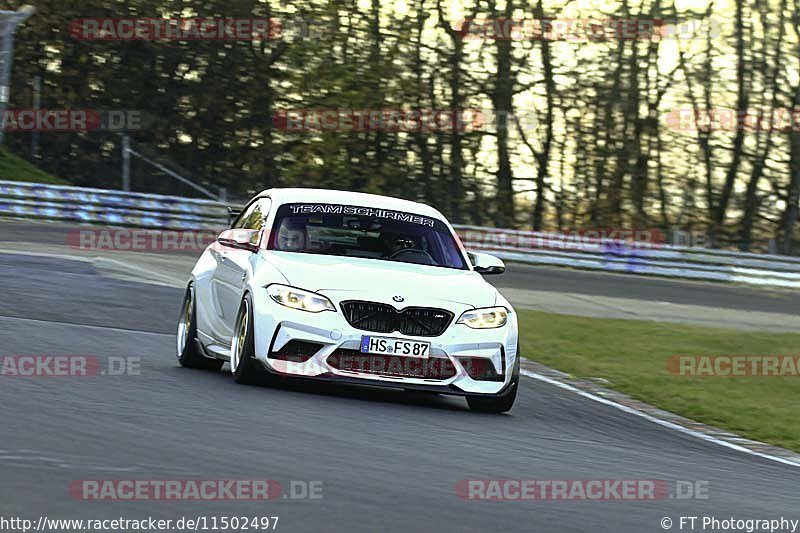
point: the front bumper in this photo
(277, 326)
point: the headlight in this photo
(299, 299)
(486, 318)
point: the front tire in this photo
(188, 352)
(245, 368)
(501, 403)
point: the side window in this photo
(254, 216)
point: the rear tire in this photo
(245, 368)
(188, 352)
(501, 403)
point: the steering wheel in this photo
(426, 258)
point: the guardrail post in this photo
(37, 104)
(126, 163)
(9, 20)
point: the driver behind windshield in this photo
(291, 236)
(393, 243)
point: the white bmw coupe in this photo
(353, 288)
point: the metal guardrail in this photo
(118, 208)
(81, 204)
(643, 258)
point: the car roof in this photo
(330, 196)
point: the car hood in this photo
(356, 278)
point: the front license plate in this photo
(391, 346)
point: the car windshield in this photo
(366, 232)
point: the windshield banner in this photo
(334, 209)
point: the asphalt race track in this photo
(388, 461)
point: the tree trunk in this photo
(543, 157)
(792, 211)
(742, 101)
(502, 99)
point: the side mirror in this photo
(486, 263)
(240, 239)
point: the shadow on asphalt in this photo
(364, 393)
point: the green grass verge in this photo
(13, 168)
(633, 354)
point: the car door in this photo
(233, 267)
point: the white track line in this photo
(663, 423)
